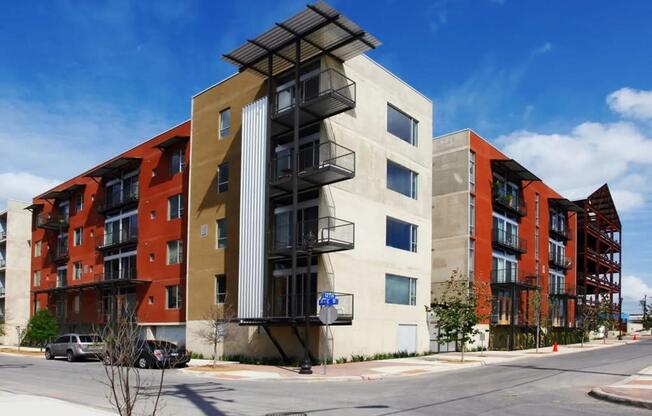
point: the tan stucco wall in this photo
(17, 272)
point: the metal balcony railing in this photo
(61, 251)
(604, 257)
(513, 275)
(560, 261)
(282, 307)
(511, 202)
(129, 195)
(113, 240)
(3, 235)
(562, 231)
(509, 240)
(319, 164)
(62, 281)
(561, 289)
(331, 234)
(321, 95)
(126, 274)
(53, 220)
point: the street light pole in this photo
(309, 241)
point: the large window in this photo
(120, 265)
(472, 171)
(78, 237)
(401, 179)
(175, 207)
(121, 228)
(472, 215)
(176, 161)
(471, 259)
(173, 297)
(62, 276)
(400, 290)
(223, 177)
(505, 230)
(401, 125)
(556, 283)
(220, 288)
(175, 252)
(37, 249)
(402, 235)
(37, 278)
(225, 123)
(76, 270)
(221, 233)
(79, 202)
(504, 268)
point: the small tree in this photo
(604, 314)
(588, 319)
(456, 311)
(647, 322)
(535, 302)
(41, 328)
(215, 326)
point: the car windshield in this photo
(90, 338)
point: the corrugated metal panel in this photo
(252, 210)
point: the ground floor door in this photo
(407, 338)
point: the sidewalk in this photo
(633, 391)
(378, 370)
(14, 404)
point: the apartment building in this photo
(15, 234)
(111, 240)
(310, 178)
(506, 230)
(599, 251)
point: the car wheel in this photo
(142, 363)
(48, 354)
(70, 356)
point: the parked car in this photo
(75, 347)
(153, 354)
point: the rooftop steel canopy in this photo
(113, 166)
(512, 166)
(321, 30)
(566, 204)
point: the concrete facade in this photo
(15, 243)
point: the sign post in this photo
(328, 314)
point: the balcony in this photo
(514, 204)
(61, 252)
(62, 281)
(3, 235)
(3, 263)
(320, 96)
(561, 290)
(319, 164)
(602, 257)
(509, 241)
(561, 232)
(116, 275)
(513, 276)
(111, 241)
(53, 220)
(128, 197)
(282, 308)
(332, 234)
(560, 261)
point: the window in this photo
(402, 235)
(176, 162)
(472, 171)
(501, 312)
(37, 278)
(401, 125)
(78, 237)
(220, 288)
(222, 229)
(400, 290)
(471, 259)
(504, 268)
(225, 123)
(173, 298)
(472, 215)
(175, 252)
(76, 271)
(175, 207)
(223, 177)
(75, 304)
(62, 277)
(79, 203)
(37, 249)
(401, 179)
(37, 305)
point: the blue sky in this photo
(545, 80)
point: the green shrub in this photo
(41, 328)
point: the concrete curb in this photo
(598, 393)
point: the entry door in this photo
(407, 338)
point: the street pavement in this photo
(553, 384)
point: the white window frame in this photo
(412, 294)
(37, 278)
(179, 252)
(472, 171)
(178, 297)
(224, 239)
(179, 212)
(220, 297)
(220, 181)
(38, 247)
(414, 126)
(77, 270)
(180, 155)
(225, 131)
(78, 232)
(414, 180)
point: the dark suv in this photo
(154, 354)
(74, 347)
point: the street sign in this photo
(328, 299)
(328, 315)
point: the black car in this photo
(154, 354)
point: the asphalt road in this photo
(553, 385)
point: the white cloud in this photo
(578, 162)
(23, 186)
(634, 288)
(545, 48)
(631, 103)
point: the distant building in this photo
(502, 227)
(15, 234)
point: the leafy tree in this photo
(41, 328)
(215, 328)
(456, 311)
(536, 302)
(647, 322)
(604, 314)
(2, 327)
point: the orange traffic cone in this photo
(635, 337)
(554, 347)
